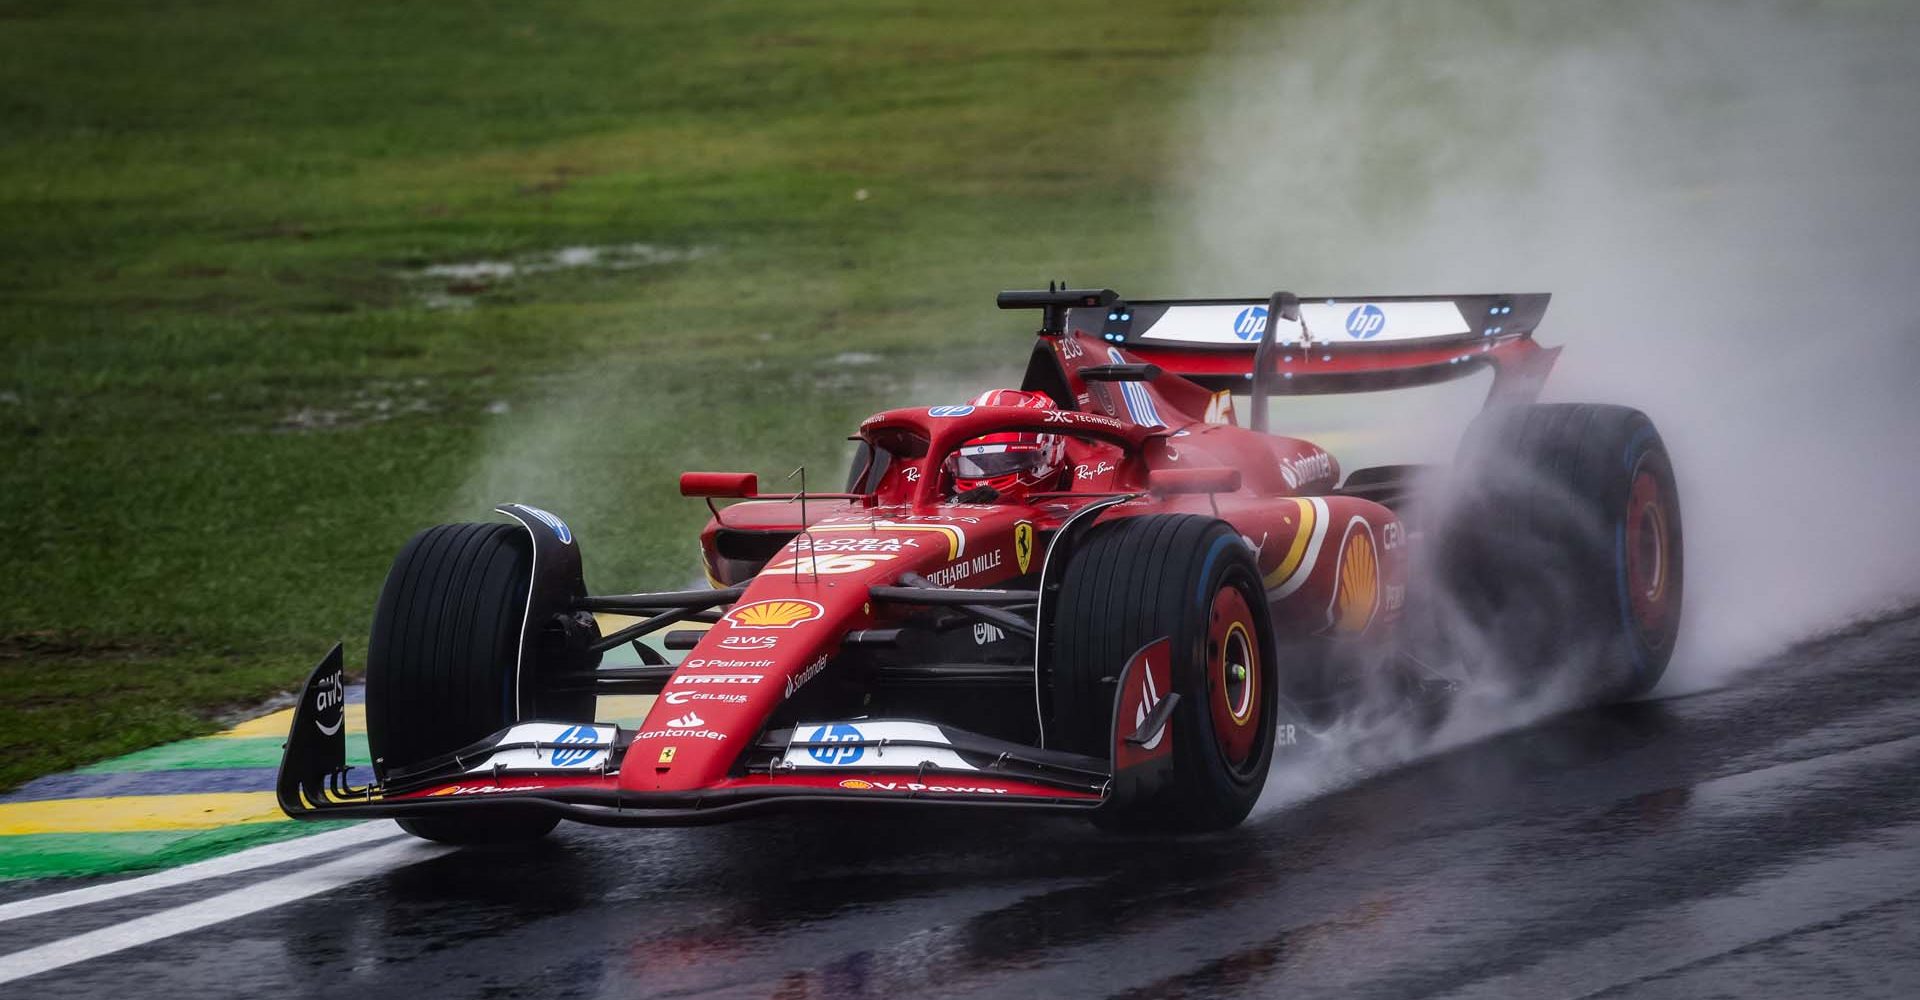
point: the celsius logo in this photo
(1365, 321)
(837, 733)
(1251, 323)
(577, 734)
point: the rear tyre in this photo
(1562, 550)
(1193, 580)
(443, 664)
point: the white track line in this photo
(215, 909)
(258, 857)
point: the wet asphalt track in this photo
(1758, 840)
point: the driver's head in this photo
(1012, 463)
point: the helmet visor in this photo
(995, 460)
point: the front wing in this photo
(573, 769)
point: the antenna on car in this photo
(1054, 303)
(812, 557)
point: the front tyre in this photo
(443, 665)
(1193, 580)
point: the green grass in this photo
(225, 400)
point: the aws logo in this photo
(329, 702)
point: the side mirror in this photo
(734, 485)
(1173, 482)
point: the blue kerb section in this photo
(74, 785)
(356, 694)
(1206, 568)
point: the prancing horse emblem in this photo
(1023, 544)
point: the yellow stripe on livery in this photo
(137, 813)
(1301, 533)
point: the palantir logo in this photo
(577, 734)
(1251, 323)
(1365, 321)
(837, 733)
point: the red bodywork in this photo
(1334, 565)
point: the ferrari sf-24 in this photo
(1102, 592)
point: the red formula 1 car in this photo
(1100, 592)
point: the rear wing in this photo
(1290, 345)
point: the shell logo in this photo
(773, 614)
(856, 784)
(1357, 593)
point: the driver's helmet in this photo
(1011, 462)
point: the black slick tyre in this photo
(443, 663)
(1561, 550)
(1193, 580)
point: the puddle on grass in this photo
(460, 284)
(376, 402)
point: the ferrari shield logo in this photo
(666, 755)
(1023, 544)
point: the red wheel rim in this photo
(1649, 553)
(1233, 677)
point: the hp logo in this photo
(1251, 323)
(578, 734)
(838, 732)
(948, 411)
(1365, 321)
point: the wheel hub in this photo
(1233, 677)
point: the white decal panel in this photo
(563, 747)
(1229, 325)
(1374, 323)
(1349, 321)
(868, 745)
